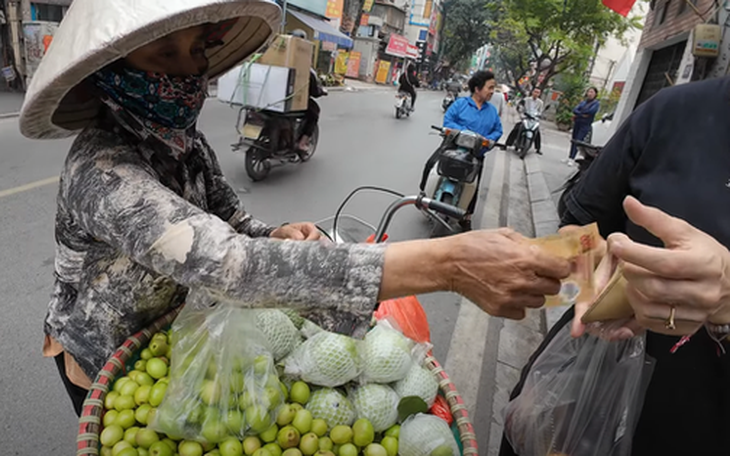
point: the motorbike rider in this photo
(534, 107)
(408, 81)
(311, 116)
(475, 114)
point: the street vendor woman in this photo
(144, 212)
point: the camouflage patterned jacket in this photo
(136, 228)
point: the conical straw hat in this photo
(95, 33)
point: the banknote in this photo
(579, 247)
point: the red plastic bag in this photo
(409, 315)
(442, 410)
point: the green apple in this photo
(126, 419)
(140, 365)
(284, 390)
(348, 449)
(214, 431)
(272, 448)
(119, 383)
(250, 445)
(130, 434)
(157, 368)
(129, 388)
(231, 447)
(245, 400)
(325, 444)
(142, 413)
(303, 421)
(210, 392)
(146, 437)
(212, 370)
(261, 452)
(300, 393)
(161, 449)
(130, 451)
(309, 444)
(110, 416)
(208, 446)
(288, 437)
(443, 450)
(261, 364)
(394, 431)
(157, 393)
(146, 354)
(375, 449)
(142, 395)
(319, 427)
(159, 347)
(144, 379)
(110, 398)
(190, 448)
(119, 447)
(258, 418)
(106, 451)
(142, 452)
(341, 434)
(197, 415)
(296, 407)
(237, 382)
(270, 434)
(324, 453)
(111, 435)
(272, 395)
(286, 415)
(292, 452)
(363, 433)
(171, 443)
(124, 402)
(391, 445)
(235, 421)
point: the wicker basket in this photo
(90, 422)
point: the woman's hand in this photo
(494, 269)
(303, 231)
(676, 289)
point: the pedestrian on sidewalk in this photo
(497, 100)
(584, 116)
(144, 212)
(671, 153)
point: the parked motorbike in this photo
(403, 104)
(529, 129)
(453, 180)
(588, 153)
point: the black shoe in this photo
(465, 225)
(538, 152)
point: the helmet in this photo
(299, 33)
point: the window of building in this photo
(422, 35)
(660, 15)
(45, 12)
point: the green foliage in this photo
(573, 87)
(465, 29)
(549, 36)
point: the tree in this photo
(465, 29)
(539, 39)
(351, 15)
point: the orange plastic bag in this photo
(409, 315)
(442, 410)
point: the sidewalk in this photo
(10, 103)
(533, 183)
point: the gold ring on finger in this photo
(669, 324)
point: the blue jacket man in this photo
(475, 114)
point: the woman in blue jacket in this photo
(585, 114)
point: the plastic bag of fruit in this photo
(223, 381)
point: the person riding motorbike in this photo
(534, 107)
(311, 117)
(475, 114)
(408, 81)
(144, 212)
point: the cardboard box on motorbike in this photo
(277, 81)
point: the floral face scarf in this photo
(166, 106)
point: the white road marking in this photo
(30, 186)
(468, 343)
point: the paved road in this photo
(361, 144)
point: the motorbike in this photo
(270, 139)
(588, 153)
(529, 128)
(453, 180)
(403, 105)
(448, 100)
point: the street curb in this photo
(544, 217)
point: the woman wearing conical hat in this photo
(144, 212)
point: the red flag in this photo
(620, 6)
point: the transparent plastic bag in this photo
(582, 397)
(223, 381)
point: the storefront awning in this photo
(323, 31)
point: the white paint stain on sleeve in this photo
(176, 242)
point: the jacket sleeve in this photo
(579, 109)
(119, 201)
(451, 118)
(591, 109)
(223, 201)
(496, 132)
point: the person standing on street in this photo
(497, 100)
(533, 106)
(585, 114)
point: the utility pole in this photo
(14, 19)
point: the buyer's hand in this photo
(303, 231)
(691, 274)
(503, 276)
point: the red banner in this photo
(620, 6)
(397, 46)
(353, 65)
